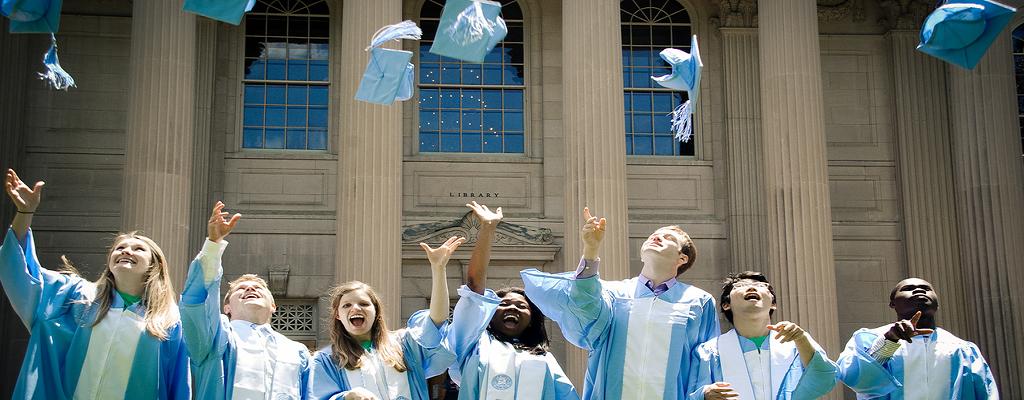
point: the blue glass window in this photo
(285, 84)
(648, 27)
(467, 107)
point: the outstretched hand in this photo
(439, 256)
(25, 198)
(788, 331)
(719, 391)
(219, 225)
(359, 394)
(486, 216)
(906, 329)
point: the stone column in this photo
(990, 209)
(206, 61)
(926, 174)
(747, 214)
(801, 263)
(159, 139)
(369, 163)
(15, 73)
(595, 147)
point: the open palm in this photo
(486, 216)
(440, 255)
(24, 197)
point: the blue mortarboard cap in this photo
(961, 32)
(230, 11)
(389, 74)
(685, 76)
(32, 16)
(469, 29)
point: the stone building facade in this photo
(828, 153)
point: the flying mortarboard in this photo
(469, 29)
(389, 74)
(230, 11)
(685, 76)
(40, 16)
(961, 31)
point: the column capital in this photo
(904, 14)
(735, 14)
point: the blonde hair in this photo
(233, 285)
(346, 350)
(157, 294)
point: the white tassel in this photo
(470, 25)
(682, 124)
(55, 75)
(402, 30)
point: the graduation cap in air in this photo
(389, 74)
(40, 16)
(685, 76)
(469, 29)
(961, 31)
(230, 11)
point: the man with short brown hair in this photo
(236, 355)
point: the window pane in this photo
(471, 98)
(642, 144)
(252, 138)
(253, 116)
(513, 143)
(514, 99)
(428, 121)
(297, 94)
(470, 120)
(275, 116)
(318, 117)
(297, 116)
(275, 94)
(450, 120)
(296, 139)
(513, 121)
(491, 99)
(298, 70)
(450, 142)
(254, 94)
(274, 139)
(450, 98)
(318, 139)
(492, 143)
(471, 142)
(428, 142)
(318, 95)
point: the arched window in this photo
(1018, 67)
(472, 108)
(286, 82)
(648, 27)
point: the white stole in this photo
(379, 378)
(261, 370)
(926, 368)
(734, 366)
(511, 374)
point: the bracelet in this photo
(26, 212)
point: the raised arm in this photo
(591, 235)
(476, 278)
(200, 298)
(25, 198)
(439, 301)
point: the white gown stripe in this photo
(643, 375)
(110, 356)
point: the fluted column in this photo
(747, 212)
(206, 60)
(595, 147)
(158, 145)
(990, 208)
(926, 174)
(369, 164)
(800, 258)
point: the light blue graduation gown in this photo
(798, 382)
(213, 344)
(472, 314)
(53, 308)
(970, 377)
(639, 343)
(424, 355)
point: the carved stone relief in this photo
(507, 234)
(904, 14)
